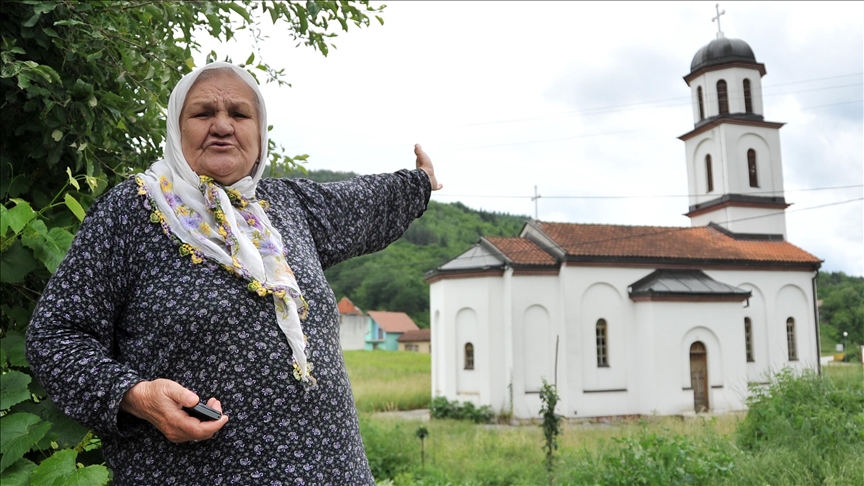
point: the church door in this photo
(699, 376)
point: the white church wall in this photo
(734, 78)
(758, 370)
(536, 323)
(783, 294)
(792, 303)
(745, 220)
(467, 307)
(466, 335)
(699, 172)
(603, 301)
(715, 324)
(591, 293)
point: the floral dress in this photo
(129, 303)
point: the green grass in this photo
(807, 430)
(389, 380)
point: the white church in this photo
(640, 320)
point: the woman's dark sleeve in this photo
(361, 215)
(70, 339)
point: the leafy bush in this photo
(664, 458)
(806, 409)
(441, 408)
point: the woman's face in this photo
(219, 129)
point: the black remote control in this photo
(203, 412)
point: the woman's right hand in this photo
(161, 403)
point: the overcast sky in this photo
(579, 99)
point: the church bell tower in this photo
(734, 169)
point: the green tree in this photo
(85, 86)
(842, 307)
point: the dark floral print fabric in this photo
(126, 306)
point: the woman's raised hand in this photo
(425, 164)
(161, 403)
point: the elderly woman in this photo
(200, 280)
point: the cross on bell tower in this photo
(717, 18)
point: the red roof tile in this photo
(347, 307)
(393, 321)
(522, 251)
(701, 243)
(419, 335)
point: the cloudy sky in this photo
(580, 99)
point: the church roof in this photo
(393, 321)
(722, 51)
(704, 244)
(347, 307)
(684, 284)
(522, 251)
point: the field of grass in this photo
(805, 430)
(389, 380)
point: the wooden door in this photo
(699, 376)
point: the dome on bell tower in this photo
(722, 51)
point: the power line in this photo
(641, 235)
(655, 196)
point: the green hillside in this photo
(392, 279)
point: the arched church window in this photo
(701, 103)
(722, 97)
(602, 343)
(748, 100)
(709, 173)
(790, 339)
(748, 339)
(751, 168)
(469, 356)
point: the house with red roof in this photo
(639, 320)
(418, 341)
(386, 328)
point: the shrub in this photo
(441, 408)
(807, 409)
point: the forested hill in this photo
(392, 279)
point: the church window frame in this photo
(709, 173)
(752, 171)
(602, 341)
(748, 98)
(748, 339)
(790, 339)
(722, 97)
(469, 356)
(701, 103)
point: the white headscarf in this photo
(226, 224)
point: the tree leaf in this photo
(49, 246)
(16, 262)
(13, 344)
(18, 433)
(64, 431)
(74, 206)
(95, 475)
(45, 7)
(13, 388)
(18, 474)
(17, 217)
(56, 468)
(32, 20)
(72, 180)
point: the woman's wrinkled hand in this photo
(424, 163)
(161, 403)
